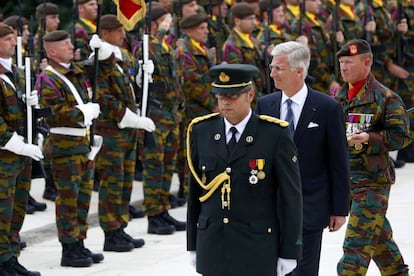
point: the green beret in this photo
(264, 5)
(47, 9)
(157, 10)
(354, 47)
(231, 78)
(13, 21)
(241, 10)
(56, 36)
(81, 1)
(110, 22)
(5, 30)
(193, 20)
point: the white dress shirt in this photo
(298, 101)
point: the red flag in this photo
(129, 12)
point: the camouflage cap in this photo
(13, 21)
(47, 9)
(231, 78)
(5, 29)
(110, 22)
(354, 47)
(241, 10)
(193, 20)
(56, 36)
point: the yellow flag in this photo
(129, 12)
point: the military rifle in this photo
(75, 18)
(219, 34)
(400, 47)
(368, 18)
(268, 42)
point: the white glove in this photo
(16, 145)
(285, 266)
(193, 258)
(33, 99)
(90, 111)
(95, 42)
(148, 67)
(132, 120)
(97, 145)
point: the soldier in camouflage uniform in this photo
(377, 124)
(118, 125)
(85, 26)
(195, 62)
(241, 47)
(15, 156)
(65, 87)
(159, 160)
(322, 62)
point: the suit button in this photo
(228, 170)
(225, 220)
(269, 230)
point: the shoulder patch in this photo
(274, 120)
(203, 118)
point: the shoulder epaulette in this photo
(202, 118)
(274, 120)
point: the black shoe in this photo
(179, 225)
(30, 209)
(135, 212)
(72, 256)
(136, 242)
(23, 244)
(398, 163)
(158, 225)
(96, 257)
(173, 201)
(6, 269)
(21, 270)
(39, 206)
(115, 241)
(49, 193)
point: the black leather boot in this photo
(158, 225)
(135, 212)
(179, 225)
(50, 189)
(96, 257)
(136, 242)
(72, 256)
(39, 206)
(115, 241)
(13, 264)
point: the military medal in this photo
(253, 172)
(358, 146)
(260, 165)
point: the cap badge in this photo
(223, 77)
(353, 49)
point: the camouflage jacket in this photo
(196, 80)
(56, 94)
(117, 92)
(235, 50)
(83, 33)
(12, 107)
(217, 34)
(388, 131)
(274, 37)
(321, 66)
(167, 89)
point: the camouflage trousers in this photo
(73, 177)
(15, 178)
(182, 166)
(369, 235)
(159, 164)
(116, 165)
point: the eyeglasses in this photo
(250, 18)
(277, 68)
(230, 97)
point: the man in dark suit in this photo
(319, 134)
(245, 204)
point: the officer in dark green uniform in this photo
(245, 204)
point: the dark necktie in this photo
(289, 115)
(232, 143)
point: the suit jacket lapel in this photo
(308, 112)
(219, 139)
